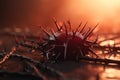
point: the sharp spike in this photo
(69, 23)
(57, 26)
(93, 53)
(90, 31)
(73, 33)
(96, 40)
(78, 27)
(52, 31)
(66, 31)
(61, 28)
(45, 31)
(87, 31)
(83, 27)
(109, 47)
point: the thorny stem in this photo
(58, 27)
(42, 66)
(81, 58)
(88, 59)
(23, 58)
(39, 74)
(105, 61)
(83, 27)
(8, 55)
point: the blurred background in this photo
(33, 13)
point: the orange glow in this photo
(108, 42)
(98, 9)
(104, 11)
(110, 73)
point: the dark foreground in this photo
(18, 69)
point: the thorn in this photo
(78, 27)
(96, 40)
(57, 26)
(69, 23)
(73, 33)
(89, 33)
(109, 47)
(7, 56)
(61, 28)
(83, 27)
(52, 31)
(66, 31)
(45, 31)
(93, 53)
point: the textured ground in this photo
(15, 68)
